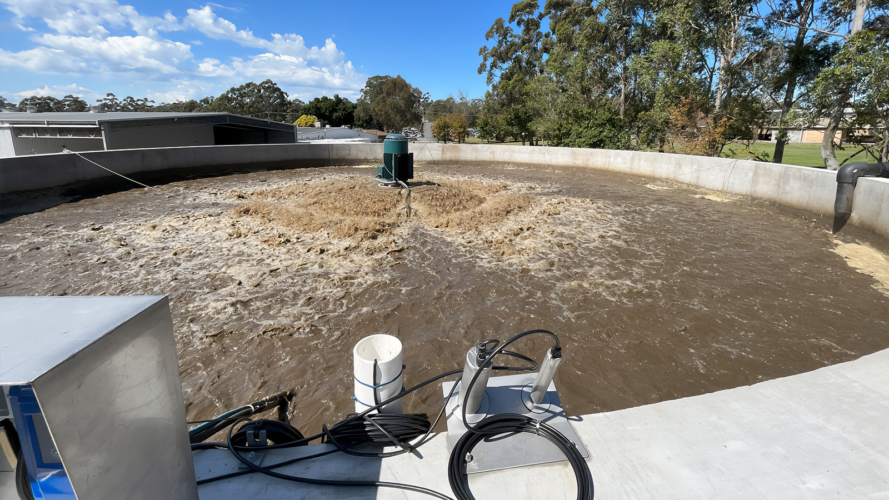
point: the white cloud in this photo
(60, 91)
(208, 23)
(182, 90)
(85, 39)
(234, 9)
(41, 60)
(123, 53)
(285, 70)
(89, 17)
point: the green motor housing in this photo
(398, 164)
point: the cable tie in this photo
(384, 383)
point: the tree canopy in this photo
(306, 121)
(334, 112)
(259, 100)
(47, 104)
(687, 75)
(389, 104)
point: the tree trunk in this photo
(828, 153)
(858, 20)
(720, 83)
(781, 139)
(623, 81)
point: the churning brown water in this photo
(657, 291)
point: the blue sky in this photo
(170, 51)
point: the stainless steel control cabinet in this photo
(106, 376)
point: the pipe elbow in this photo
(849, 174)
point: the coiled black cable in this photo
(507, 424)
(510, 424)
(325, 482)
(382, 428)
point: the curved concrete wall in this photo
(800, 187)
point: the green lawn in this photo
(476, 140)
(805, 155)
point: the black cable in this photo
(210, 427)
(490, 361)
(362, 414)
(510, 424)
(213, 426)
(22, 481)
(374, 383)
(276, 432)
(324, 482)
(273, 466)
(348, 421)
(345, 429)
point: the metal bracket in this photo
(255, 439)
(512, 394)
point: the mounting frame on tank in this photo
(509, 394)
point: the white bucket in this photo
(386, 350)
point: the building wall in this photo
(7, 149)
(816, 136)
(159, 137)
(24, 146)
(311, 133)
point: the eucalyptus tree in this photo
(389, 103)
(858, 78)
(804, 34)
(513, 62)
(336, 111)
(852, 68)
(46, 104)
(264, 100)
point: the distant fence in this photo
(801, 187)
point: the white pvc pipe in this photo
(386, 350)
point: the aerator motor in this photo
(398, 164)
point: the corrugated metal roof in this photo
(96, 117)
(126, 120)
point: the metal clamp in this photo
(255, 439)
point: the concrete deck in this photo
(821, 434)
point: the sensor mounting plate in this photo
(509, 395)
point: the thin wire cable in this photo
(703, 169)
(108, 169)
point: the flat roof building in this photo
(42, 133)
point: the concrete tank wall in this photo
(800, 187)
